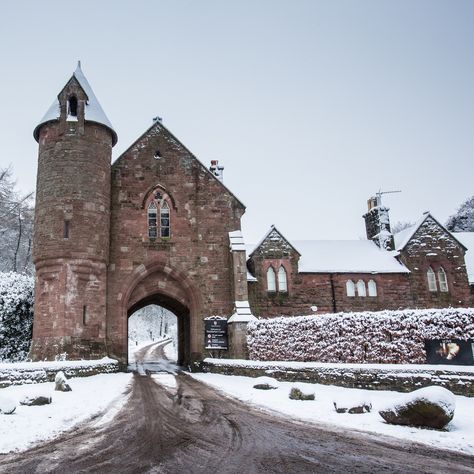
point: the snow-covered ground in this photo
(458, 436)
(89, 397)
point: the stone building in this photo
(159, 227)
(423, 266)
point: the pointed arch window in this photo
(430, 275)
(271, 280)
(72, 106)
(361, 288)
(152, 220)
(165, 220)
(350, 288)
(372, 286)
(443, 281)
(282, 280)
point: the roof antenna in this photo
(379, 195)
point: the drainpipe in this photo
(333, 292)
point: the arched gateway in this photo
(155, 227)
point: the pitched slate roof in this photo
(93, 109)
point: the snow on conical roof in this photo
(93, 110)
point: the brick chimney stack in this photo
(216, 170)
(377, 223)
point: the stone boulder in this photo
(7, 406)
(430, 407)
(266, 383)
(36, 400)
(61, 384)
(301, 392)
(352, 405)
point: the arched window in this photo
(372, 288)
(164, 220)
(350, 288)
(361, 288)
(282, 282)
(72, 106)
(152, 216)
(430, 274)
(271, 281)
(443, 281)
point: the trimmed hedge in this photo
(390, 337)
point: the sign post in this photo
(215, 333)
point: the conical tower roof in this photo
(93, 109)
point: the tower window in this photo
(152, 218)
(67, 226)
(72, 106)
(430, 274)
(164, 220)
(84, 315)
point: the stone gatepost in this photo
(237, 323)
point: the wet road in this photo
(193, 429)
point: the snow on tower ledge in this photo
(243, 313)
(93, 109)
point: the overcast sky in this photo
(312, 106)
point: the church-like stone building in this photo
(159, 227)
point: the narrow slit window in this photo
(443, 281)
(165, 220)
(350, 288)
(372, 288)
(361, 288)
(282, 280)
(72, 106)
(430, 274)
(84, 315)
(152, 221)
(271, 280)
(67, 228)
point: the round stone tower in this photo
(72, 220)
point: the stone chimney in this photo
(217, 170)
(377, 224)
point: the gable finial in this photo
(79, 64)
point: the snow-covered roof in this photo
(93, 109)
(467, 239)
(346, 256)
(274, 234)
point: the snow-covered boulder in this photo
(266, 383)
(7, 406)
(431, 407)
(36, 400)
(301, 392)
(60, 382)
(352, 404)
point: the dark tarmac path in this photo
(194, 429)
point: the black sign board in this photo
(449, 351)
(215, 333)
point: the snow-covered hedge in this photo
(370, 337)
(16, 315)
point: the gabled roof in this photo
(403, 237)
(467, 238)
(346, 256)
(267, 235)
(158, 124)
(93, 109)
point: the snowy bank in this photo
(19, 373)
(458, 436)
(400, 377)
(89, 397)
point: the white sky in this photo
(311, 106)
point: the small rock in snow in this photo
(7, 406)
(36, 400)
(431, 407)
(61, 383)
(301, 392)
(265, 383)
